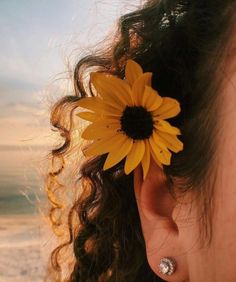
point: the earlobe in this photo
(156, 206)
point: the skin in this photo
(171, 228)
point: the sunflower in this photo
(128, 120)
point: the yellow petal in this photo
(100, 129)
(139, 87)
(135, 156)
(146, 159)
(151, 99)
(105, 145)
(97, 105)
(168, 109)
(158, 140)
(165, 126)
(132, 71)
(162, 155)
(91, 103)
(155, 158)
(109, 110)
(88, 116)
(113, 90)
(120, 151)
(171, 141)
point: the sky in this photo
(38, 39)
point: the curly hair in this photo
(186, 58)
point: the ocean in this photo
(21, 179)
(25, 238)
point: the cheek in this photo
(225, 203)
(223, 245)
(226, 174)
(224, 227)
(225, 190)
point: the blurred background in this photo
(40, 44)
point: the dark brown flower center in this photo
(137, 123)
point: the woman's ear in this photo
(156, 207)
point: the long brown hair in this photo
(185, 57)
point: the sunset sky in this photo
(37, 38)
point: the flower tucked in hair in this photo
(128, 120)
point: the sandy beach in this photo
(24, 245)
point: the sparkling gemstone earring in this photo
(167, 266)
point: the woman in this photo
(177, 222)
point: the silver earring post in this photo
(167, 266)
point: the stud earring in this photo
(167, 266)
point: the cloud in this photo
(20, 109)
(34, 49)
(28, 122)
(24, 123)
